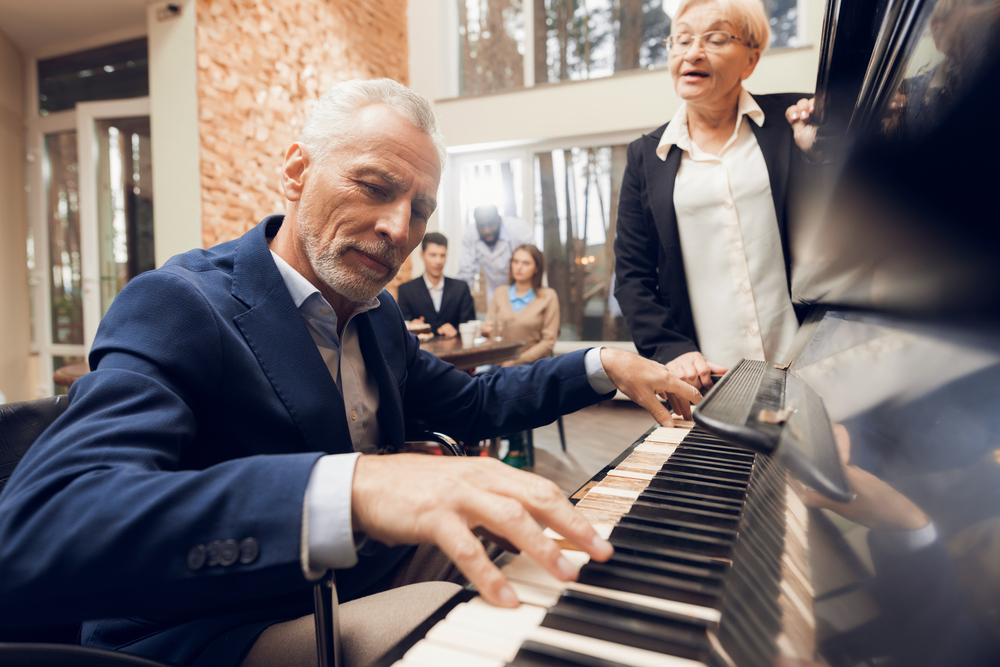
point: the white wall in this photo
(173, 98)
(15, 331)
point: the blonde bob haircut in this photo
(746, 15)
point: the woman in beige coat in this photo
(529, 311)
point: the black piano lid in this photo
(900, 239)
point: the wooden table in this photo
(464, 358)
(70, 373)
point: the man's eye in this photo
(373, 190)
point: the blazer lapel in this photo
(274, 330)
(425, 296)
(774, 139)
(390, 404)
(660, 177)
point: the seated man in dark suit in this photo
(224, 451)
(442, 303)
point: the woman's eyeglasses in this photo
(714, 40)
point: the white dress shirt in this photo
(494, 261)
(327, 540)
(730, 242)
(436, 292)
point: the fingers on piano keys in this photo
(710, 567)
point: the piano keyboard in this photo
(710, 568)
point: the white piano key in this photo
(628, 474)
(709, 614)
(426, 653)
(599, 648)
(478, 611)
(533, 595)
(477, 640)
(670, 436)
(656, 447)
(628, 494)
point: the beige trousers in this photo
(372, 625)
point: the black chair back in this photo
(20, 425)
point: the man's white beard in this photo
(359, 285)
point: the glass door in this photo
(93, 222)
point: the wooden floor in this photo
(594, 436)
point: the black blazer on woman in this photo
(651, 286)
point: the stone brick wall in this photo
(262, 64)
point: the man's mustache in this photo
(383, 252)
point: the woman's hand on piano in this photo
(644, 381)
(413, 499)
(695, 369)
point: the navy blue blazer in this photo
(456, 303)
(207, 407)
(650, 283)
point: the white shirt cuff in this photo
(327, 537)
(905, 541)
(598, 378)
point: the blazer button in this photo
(249, 549)
(196, 557)
(229, 552)
(213, 551)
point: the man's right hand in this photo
(694, 369)
(413, 499)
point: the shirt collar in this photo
(677, 130)
(526, 298)
(301, 289)
(430, 285)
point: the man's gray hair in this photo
(331, 120)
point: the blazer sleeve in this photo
(550, 332)
(646, 308)
(99, 517)
(405, 302)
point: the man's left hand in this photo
(447, 330)
(644, 381)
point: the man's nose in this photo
(394, 223)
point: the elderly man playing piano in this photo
(220, 456)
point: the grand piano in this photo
(727, 555)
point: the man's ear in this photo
(293, 173)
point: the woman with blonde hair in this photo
(702, 259)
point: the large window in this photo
(569, 195)
(576, 204)
(508, 44)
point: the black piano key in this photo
(626, 624)
(654, 494)
(700, 544)
(683, 570)
(676, 511)
(679, 483)
(535, 654)
(631, 580)
(666, 554)
(688, 527)
(708, 470)
(722, 464)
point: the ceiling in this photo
(41, 26)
